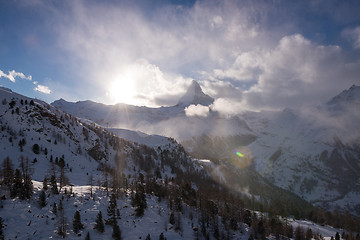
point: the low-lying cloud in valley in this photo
(197, 110)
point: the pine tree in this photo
(87, 236)
(28, 187)
(139, 200)
(8, 172)
(172, 218)
(91, 183)
(45, 184)
(299, 233)
(36, 148)
(118, 214)
(77, 225)
(62, 221)
(42, 199)
(99, 224)
(309, 234)
(116, 232)
(54, 209)
(17, 187)
(63, 180)
(111, 210)
(337, 236)
(54, 188)
(2, 237)
(161, 237)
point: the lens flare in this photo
(242, 157)
(239, 154)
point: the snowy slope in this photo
(141, 138)
(88, 150)
(174, 182)
(315, 155)
(312, 152)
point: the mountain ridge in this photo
(278, 140)
(349, 95)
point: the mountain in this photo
(194, 96)
(56, 166)
(349, 96)
(45, 144)
(311, 152)
(159, 121)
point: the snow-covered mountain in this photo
(45, 144)
(160, 121)
(311, 152)
(159, 189)
(349, 96)
(314, 152)
(194, 96)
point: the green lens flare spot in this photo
(239, 154)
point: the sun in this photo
(122, 89)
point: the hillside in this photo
(90, 164)
(312, 152)
(51, 158)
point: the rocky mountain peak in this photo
(195, 95)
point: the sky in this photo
(248, 55)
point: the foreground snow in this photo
(27, 220)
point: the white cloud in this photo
(294, 73)
(43, 89)
(298, 72)
(142, 83)
(230, 41)
(197, 110)
(228, 107)
(222, 89)
(103, 39)
(246, 67)
(13, 74)
(353, 34)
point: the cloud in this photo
(143, 83)
(245, 68)
(104, 40)
(228, 107)
(13, 74)
(43, 89)
(294, 73)
(298, 72)
(248, 50)
(353, 34)
(197, 110)
(222, 89)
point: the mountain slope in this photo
(53, 143)
(183, 197)
(311, 152)
(315, 154)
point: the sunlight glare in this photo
(122, 88)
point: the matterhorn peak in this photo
(195, 95)
(351, 95)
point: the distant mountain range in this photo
(313, 152)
